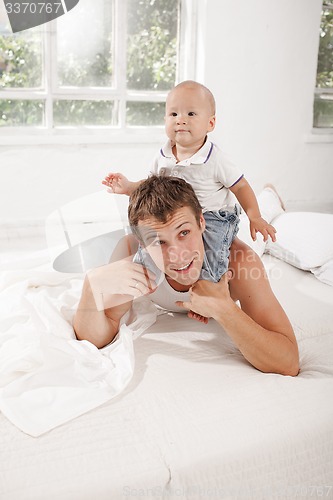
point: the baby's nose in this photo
(181, 118)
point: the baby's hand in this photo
(197, 317)
(117, 183)
(259, 225)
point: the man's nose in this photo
(175, 253)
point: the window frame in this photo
(322, 134)
(187, 69)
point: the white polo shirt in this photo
(208, 171)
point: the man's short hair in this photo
(158, 198)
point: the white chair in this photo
(83, 233)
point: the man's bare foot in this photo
(273, 188)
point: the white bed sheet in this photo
(47, 377)
(196, 420)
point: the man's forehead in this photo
(178, 218)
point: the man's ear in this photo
(202, 223)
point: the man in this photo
(167, 220)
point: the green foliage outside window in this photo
(20, 68)
(83, 113)
(151, 65)
(325, 55)
(20, 113)
(152, 44)
(73, 72)
(20, 61)
(145, 113)
(84, 46)
(323, 106)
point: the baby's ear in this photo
(211, 123)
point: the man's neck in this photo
(177, 286)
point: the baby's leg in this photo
(221, 228)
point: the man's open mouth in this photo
(183, 268)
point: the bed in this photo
(192, 420)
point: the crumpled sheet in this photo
(47, 377)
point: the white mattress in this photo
(196, 420)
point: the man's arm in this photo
(98, 326)
(260, 328)
(107, 294)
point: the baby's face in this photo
(188, 116)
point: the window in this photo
(105, 65)
(323, 101)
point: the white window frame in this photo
(187, 69)
(322, 134)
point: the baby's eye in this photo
(174, 114)
(191, 113)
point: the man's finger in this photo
(227, 276)
(149, 278)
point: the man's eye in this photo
(185, 232)
(157, 243)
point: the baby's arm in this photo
(246, 197)
(119, 184)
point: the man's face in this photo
(176, 246)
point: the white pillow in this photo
(324, 273)
(304, 239)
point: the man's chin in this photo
(185, 278)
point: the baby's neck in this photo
(184, 152)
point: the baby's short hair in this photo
(196, 85)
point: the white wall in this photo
(35, 180)
(262, 68)
(260, 64)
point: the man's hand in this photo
(117, 183)
(259, 225)
(120, 282)
(208, 299)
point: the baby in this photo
(189, 154)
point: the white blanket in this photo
(196, 421)
(47, 377)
